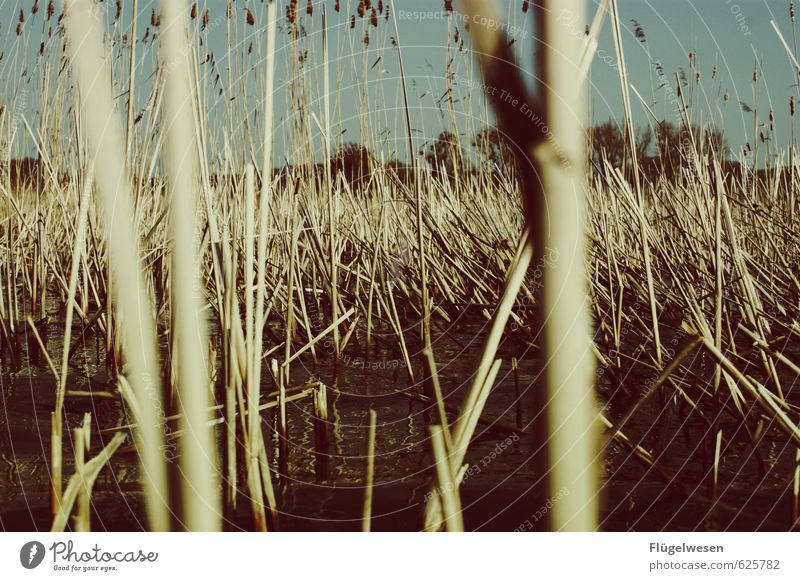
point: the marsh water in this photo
(755, 488)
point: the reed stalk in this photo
(132, 307)
(366, 519)
(201, 508)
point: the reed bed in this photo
(162, 240)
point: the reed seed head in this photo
(193, 12)
(638, 31)
(249, 17)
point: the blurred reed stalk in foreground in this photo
(199, 471)
(551, 152)
(134, 315)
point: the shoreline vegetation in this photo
(651, 276)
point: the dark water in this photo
(496, 496)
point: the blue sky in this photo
(730, 35)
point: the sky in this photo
(729, 38)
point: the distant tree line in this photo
(661, 149)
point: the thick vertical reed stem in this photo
(571, 412)
(553, 187)
(134, 315)
(199, 471)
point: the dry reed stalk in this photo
(439, 398)
(423, 280)
(517, 392)
(232, 382)
(623, 77)
(456, 449)
(320, 395)
(446, 483)
(765, 346)
(293, 230)
(131, 79)
(718, 308)
(590, 42)
(56, 463)
(133, 312)
(761, 396)
(82, 441)
(324, 333)
(262, 254)
(796, 490)
(56, 431)
(80, 234)
(254, 439)
(200, 502)
(84, 481)
(263, 229)
(366, 518)
(331, 193)
(283, 442)
(571, 459)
